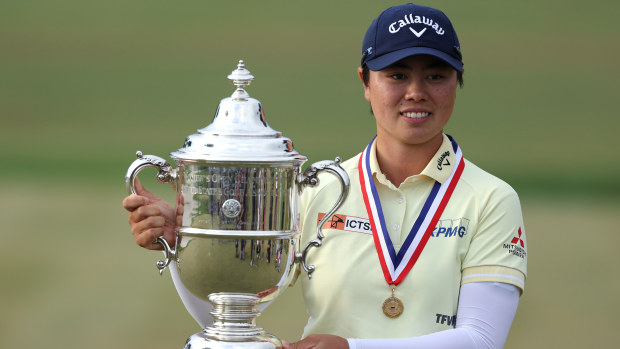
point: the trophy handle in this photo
(309, 178)
(169, 255)
(165, 174)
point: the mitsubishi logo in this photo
(517, 239)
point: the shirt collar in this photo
(439, 168)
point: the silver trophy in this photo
(237, 184)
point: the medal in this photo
(396, 266)
(393, 306)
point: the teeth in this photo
(416, 115)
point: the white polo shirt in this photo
(480, 237)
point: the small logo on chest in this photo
(348, 223)
(447, 228)
(443, 160)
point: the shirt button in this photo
(400, 200)
(396, 226)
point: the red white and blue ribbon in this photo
(396, 266)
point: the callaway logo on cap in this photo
(408, 30)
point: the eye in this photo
(435, 77)
(398, 76)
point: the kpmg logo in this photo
(447, 228)
(411, 19)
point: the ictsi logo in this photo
(334, 221)
(348, 223)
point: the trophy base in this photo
(201, 340)
(234, 325)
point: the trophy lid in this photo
(239, 132)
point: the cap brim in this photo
(386, 60)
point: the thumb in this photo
(142, 191)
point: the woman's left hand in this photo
(318, 341)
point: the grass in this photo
(73, 275)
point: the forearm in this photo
(484, 317)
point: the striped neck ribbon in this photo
(396, 266)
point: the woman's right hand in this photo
(150, 217)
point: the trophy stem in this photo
(234, 324)
(234, 314)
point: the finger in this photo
(144, 212)
(151, 222)
(147, 239)
(132, 202)
(170, 236)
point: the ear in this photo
(366, 87)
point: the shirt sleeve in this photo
(484, 316)
(498, 248)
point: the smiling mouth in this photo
(416, 115)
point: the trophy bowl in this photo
(237, 184)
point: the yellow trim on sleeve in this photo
(494, 273)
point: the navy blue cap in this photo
(408, 30)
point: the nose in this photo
(416, 90)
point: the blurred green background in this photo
(84, 84)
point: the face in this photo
(412, 100)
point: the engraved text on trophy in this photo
(238, 198)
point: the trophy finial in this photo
(241, 78)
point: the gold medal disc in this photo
(393, 307)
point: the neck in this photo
(398, 161)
